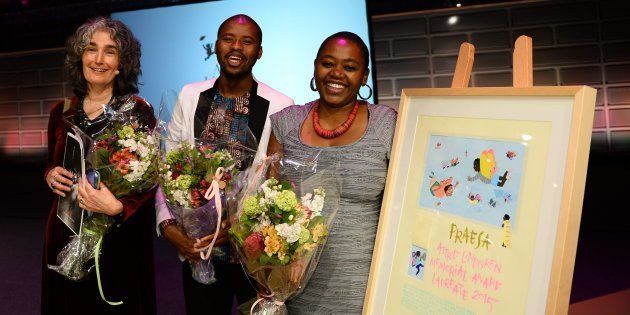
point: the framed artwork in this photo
(483, 200)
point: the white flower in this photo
(263, 221)
(270, 183)
(300, 217)
(181, 197)
(128, 143)
(291, 233)
(319, 192)
(317, 205)
(308, 204)
(266, 190)
(314, 202)
(270, 194)
(306, 197)
(138, 168)
(262, 202)
(150, 140)
(142, 150)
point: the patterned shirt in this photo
(227, 123)
(227, 126)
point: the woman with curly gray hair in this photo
(103, 65)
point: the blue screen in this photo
(173, 40)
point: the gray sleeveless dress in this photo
(339, 283)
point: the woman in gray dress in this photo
(340, 130)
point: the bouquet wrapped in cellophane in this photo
(197, 181)
(200, 174)
(124, 154)
(280, 228)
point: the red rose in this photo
(196, 198)
(101, 144)
(204, 183)
(253, 246)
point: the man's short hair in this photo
(241, 18)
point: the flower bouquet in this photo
(279, 236)
(194, 182)
(124, 154)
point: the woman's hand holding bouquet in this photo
(124, 154)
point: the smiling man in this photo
(215, 109)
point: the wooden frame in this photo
(558, 154)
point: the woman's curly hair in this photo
(126, 82)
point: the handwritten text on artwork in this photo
(466, 275)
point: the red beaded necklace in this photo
(331, 134)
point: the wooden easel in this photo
(444, 110)
(523, 77)
(523, 71)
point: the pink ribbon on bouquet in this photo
(214, 192)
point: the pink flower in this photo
(206, 151)
(204, 184)
(309, 212)
(121, 160)
(253, 246)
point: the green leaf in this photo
(315, 221)
(264, 259)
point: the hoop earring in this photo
(367, 97)
(313, 87)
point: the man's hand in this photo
(222, 237)
(184, 245)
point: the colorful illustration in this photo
(464, 177)
(441, 188)
(486, 168)
(474, 198)
(417, 261)
(452, 163)
(492, 202)
(506, 231)
(510, 155)
(501, 194)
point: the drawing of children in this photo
(450, 163)
(414, 258)
(506, 231)
(510, 155)
(443, 188)
(485, 166)
(416, 261)
(474, 198)
(501, 194)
